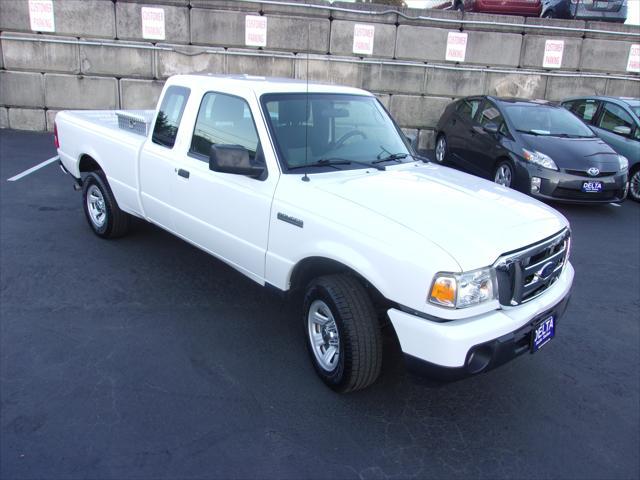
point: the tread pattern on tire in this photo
(118, 220)
(362, 336)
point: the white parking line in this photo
(33, 169)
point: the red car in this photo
(525, 8)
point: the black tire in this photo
(360, 341)
(442, 139)
(459, 5)
(634, 183)
(115, 223)
(503, 167)
(549, 14)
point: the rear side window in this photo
(468, 107)
(169, 115)
(224, 120)
(585, 109)
(616, 120)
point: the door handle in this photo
(183, 173)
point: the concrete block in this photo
(139, 94)
(79, 92)
(608, 56)
(27, 119)
(493, 48)
(341, 43)
(431, 18)
(218, 27)
(188, 59)
(298, 34)
(559, 88)
(4, 117)
(393, 78)
(364, 12)
(303, 10)
(129, 22)
(50, 117)
(515, 23)
(21, 89)
(421, 43)
(179, 3)
(331, 71)
(613, 27)
(384, 98)
(88, 18)
(227, 5)
(40, 56)
(411, 111)
(426, 140)
(623, 88)
(1, 55)
(118, 61)
(555, 22)
(454, 83)
(515, 85)
(14, 15)
(533, 51)
(261, 64)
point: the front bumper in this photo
(565, 187)
(464, 347)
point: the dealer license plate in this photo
(592, 187)
(602, 4)
(542, 333)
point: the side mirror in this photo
(491, 128)
(412, 139)
(233, 159)
(622, 130)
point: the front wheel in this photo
(343, 332)
(503, 174)
(634, 184)
(101, 209)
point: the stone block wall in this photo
(98, 56)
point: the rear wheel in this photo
(634, 184)
(101, 209)
(442, 149)
(343, 332)
(549, 14)
(503, 174)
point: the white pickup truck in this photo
(313, 188)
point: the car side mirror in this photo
(233, 159)
(412, 139)
(622, 130)
(491, 128)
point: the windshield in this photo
(546, 120)
(333, 131)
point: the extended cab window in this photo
(169, 115)
(616, 120)
(224, 120)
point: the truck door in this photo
(226, 214)
(158, 160)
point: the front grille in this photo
(527, 273)
(583, 173)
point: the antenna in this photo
(306, 117)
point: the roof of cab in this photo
(261, 85)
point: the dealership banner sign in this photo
(41, 16)
(255, 31)
(363, 39)
(633, 64)
(456, 47)
(553, 50)
(153, 23)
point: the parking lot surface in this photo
(146, 358)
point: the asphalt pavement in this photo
(145, 358)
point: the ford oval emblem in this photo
(593, 171)
(546, 271)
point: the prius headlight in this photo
(539, 158)
(461, 290)
(624, 163)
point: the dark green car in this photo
(616, 120)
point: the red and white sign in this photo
(41, 15)
(153, 23)
(633, 64)
(255, 31)
(363, 39)
(456, 47)
(553, 50)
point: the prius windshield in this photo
(333, 131)
(546, 120)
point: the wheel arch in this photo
(87, 163)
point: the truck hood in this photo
(472, 219)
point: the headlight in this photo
(624, 163)
(539, 159)
(460, 290)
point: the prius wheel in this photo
(634, 185)
(503, 174)
(442, 149)
(103, 214)
(343, 332)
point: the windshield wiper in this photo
(391, 157)
(533, 132)
(568, 135)
(332, 162)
